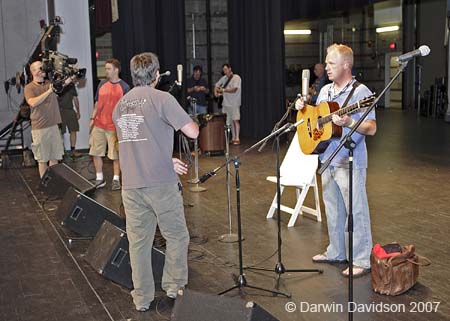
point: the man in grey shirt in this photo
(145, 120)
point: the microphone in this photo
(180, 75)
(207, 175)
(293, 127)
(422, 51)
(305, 83)
(167, 73)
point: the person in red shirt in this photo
(103, 135)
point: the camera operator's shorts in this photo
(69, 120)
(100, 139)
(47, 144)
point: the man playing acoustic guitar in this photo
(345, 90)
(229, 86)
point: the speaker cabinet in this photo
(58, 178)
(195, 306)
(212, 136)
(108, 255)
(83, 215)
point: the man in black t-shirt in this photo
(197, 88)
(67, 99)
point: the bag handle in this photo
(426, 260)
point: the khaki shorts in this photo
(233, 113)
(100, 139)
(47, 144)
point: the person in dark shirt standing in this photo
(197, 88)
(67, 99)
(321, 80)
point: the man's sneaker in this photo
(115, 185)
(99, 183)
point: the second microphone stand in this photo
(279, 267)
(230, 237)
(241, 281)
(195, 188)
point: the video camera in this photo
(59, 67)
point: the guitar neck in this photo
(341, 112)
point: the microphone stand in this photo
(348, 143)
(241, 281)
(230, 237)
(277, 125)
(279, 267)
(196, 188)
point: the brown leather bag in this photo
(396, 275)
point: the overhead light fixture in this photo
(387, 29)
(297, 32)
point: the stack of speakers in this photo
(108, 252)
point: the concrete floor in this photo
(43, 277)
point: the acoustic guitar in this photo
(315, 132)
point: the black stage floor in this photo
(43, 277)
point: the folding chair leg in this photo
(273, 206)
(298, 206)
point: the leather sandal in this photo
(357, 271)
(322, 258)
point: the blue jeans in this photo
(200, 110)
(335, 197)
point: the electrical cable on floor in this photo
(225, 263)
(67, 249)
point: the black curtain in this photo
(256, 53)
(295, 9)
(150, 25)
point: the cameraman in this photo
(47, 143)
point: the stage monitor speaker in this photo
(58, 178)
(108, 255)
(83, 215)
(195, 306)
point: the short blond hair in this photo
(344, 51)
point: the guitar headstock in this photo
(366, 102)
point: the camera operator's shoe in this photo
(75, 154)
(115, 185)
(99, 183)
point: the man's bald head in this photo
(36, 71)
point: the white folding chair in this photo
(297, 170)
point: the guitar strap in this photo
(355, 85)
(228, 81)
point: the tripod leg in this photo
(228, 290)
(306, 270)
(277, 282)
(269, 291)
